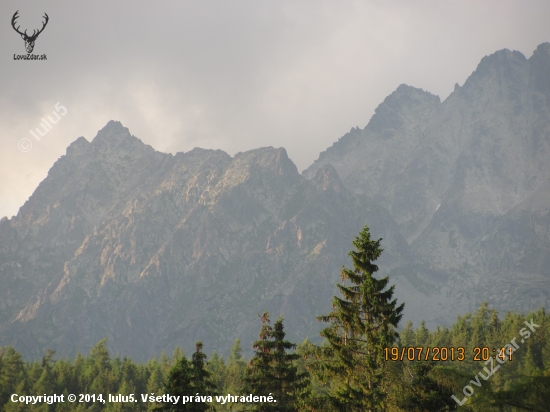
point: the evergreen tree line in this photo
(353, 370)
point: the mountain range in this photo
(154, 250)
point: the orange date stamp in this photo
(444, 353)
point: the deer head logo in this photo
(29, 40)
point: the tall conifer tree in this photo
(236, 366)
(272, 370)
(362, 322)
(202, 379)
(187, 379)
(178, 383)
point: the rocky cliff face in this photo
(466, 179)
(153, 250)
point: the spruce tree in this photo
(216, 366)
(408, 337)
(187, 379)
(155, 377)
(11, 366)
(236, 366)
(362, 322)
(178, 383)
(423, 393)
(272, 370)
(422, 334)
(202, 380)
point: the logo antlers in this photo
(29, 40)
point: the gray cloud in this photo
(234, 75)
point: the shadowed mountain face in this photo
(153, 250)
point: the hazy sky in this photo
(233, 75)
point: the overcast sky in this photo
(233, 75)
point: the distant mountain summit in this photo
(467, 179)
(154, 250)
(416, 151)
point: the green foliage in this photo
(96, 373)
(362, 323)
(423, 392)
(201, 379)
(178, 383)
(235, 371)
(273, 371)
(11, 373)
(522, 384)
(187, 379)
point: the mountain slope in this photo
(188, 247)
(466, 179)
(489, 138)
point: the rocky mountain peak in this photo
(398, 121)
(503, 68)
(500, 57)
(542, 54)
(113, 130)
(270, 160)
(77, 147)
(539, 65)
(114, 137)
(396, 110)
(326, 177)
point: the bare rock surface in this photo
(467, 180)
